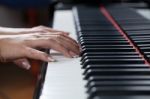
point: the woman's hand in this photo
(19, 48)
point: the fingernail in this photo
(73, 54)
(26, 65)
(51, 59)
(67, 33)
(68, 56)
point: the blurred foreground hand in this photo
(20, 44)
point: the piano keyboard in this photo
(115, 64)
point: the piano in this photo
(115, 58)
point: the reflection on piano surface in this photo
(114, 63)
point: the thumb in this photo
(23, 63)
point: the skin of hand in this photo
(20, 31)
(25, 42)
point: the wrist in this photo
(12, 31)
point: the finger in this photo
(73, 54)
(55, 33)
(54, 44)
(62, 34)
(23, 63)
(49, 43)
(69, 39)
(66, 37)
(37, 55)
(47, 29)
(41, 35)
(70, 45)
(54, 30)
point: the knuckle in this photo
(59, 36)
(65, 50)
(29, 52)
(60, 33)
(49, 39)
(24, 50)
(44, 55)
(41, 26)
(2, 59)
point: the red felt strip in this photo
(122, 32)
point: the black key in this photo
(102, 37)
(145, 49)
(127, 72)
(95, 40)
(119, 78)
(113, 66)
(92, 22)
(141, 39)
(88, 23)
(114, 83)
(97, 49)
(136, 27)
(112, 61)
(143, 45)
(121, 97)
(98, 27)
(106, 46)
(146, 53)
(104, 43)
(99, 34)
(118, 66)
(119, 91)
(108, 53)
(138, 33)
(111, 57)
(139, 36)
(118, 83)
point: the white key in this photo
(64, 78)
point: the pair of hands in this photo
(19, 45)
